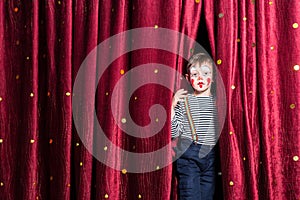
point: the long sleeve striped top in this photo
(204, 114)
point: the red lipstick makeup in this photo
(200, 84)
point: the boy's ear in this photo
(187, 77)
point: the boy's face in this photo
(200, 77)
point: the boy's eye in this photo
(205, 69)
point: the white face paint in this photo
(193, 69)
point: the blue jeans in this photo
(196, 176)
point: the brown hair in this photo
(199, 58)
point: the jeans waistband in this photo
(191, 142)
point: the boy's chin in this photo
(202, 90)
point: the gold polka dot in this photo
(156, 26)
(1, 99)
(296, 158)
(238, 40)
(123, 120)
(219, 62)
(105, 148)
(80, 163)
(50, 141)
(252, 1)
(230, 133)
(221, 15)
(122, 71)
(272, 137)
(270, 2)
(156, 119)
(59, 40)
(197, 1)
(59, 2)
(139, 196)
(296, 67)
(1, 184)
(250, 92)
(17, 76)
(157, 167)
(292, 106)
(48, 94)
(295, 25)
(272, 47)
(69, 185)
(133, 147)
(68, 94)
(106, 93)
(17, 42)
(233, 87)
(135, 98)
(31, 94)
(112, 10)
(1, 141)
(51, 178)
(253, 44)
(156, 71)
(244, 158)
(272, 92)
(77, 144)
(106, 196)
(124, 171)
(244, 18)
(16, 9)
(231, 183)
(27, 58)
(31, 141)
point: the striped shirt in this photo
(204, 114)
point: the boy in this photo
(194, 120)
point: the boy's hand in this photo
(178, 96)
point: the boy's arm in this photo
(176, 123)
(179, 96)
(176, 113)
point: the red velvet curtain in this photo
(258, 54)
(43, 43)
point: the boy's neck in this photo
(205, 93)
